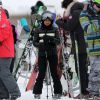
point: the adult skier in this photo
(90, 22)
(46, 39)
(71, 23)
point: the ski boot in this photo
(13, 97)
(37, 96)
(57, 96)
(96, 97)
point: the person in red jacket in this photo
(6, 55)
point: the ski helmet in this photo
(47, 15)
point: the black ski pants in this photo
(81, 58)
(42, 62)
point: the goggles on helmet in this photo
(47, 16)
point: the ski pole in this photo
(50, 81)
(47, 80)
(78, 66)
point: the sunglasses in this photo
(98, 5)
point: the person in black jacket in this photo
(46, 39)
(72, 25)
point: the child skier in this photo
(46, 39)
(90, 21)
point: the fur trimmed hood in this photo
(72, 6)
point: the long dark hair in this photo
(65, 3)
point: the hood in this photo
(73, 6)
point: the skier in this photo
(90, 22)
(71, 23)
(6, 55)
(15, 41)
(46, 39)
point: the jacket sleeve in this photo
(57, 37)
(4, 33)
(71, 23)
(86, 23)
(36, 39)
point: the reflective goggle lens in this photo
(47, 15)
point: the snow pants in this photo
(7, 79)
(82, 59)
(3, 91)
(94, 76)
(42, 62)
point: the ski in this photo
(32, 78)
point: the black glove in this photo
(52, 41)
(46, 39)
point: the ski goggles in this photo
(47, 16)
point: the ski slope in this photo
(29, 96)
(22, 82)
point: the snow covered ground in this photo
(22, 82)
(29, 96)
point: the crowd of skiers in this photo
(82, 21)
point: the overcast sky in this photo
(23, 6)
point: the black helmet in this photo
(47, 15)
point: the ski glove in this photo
(46, 39)
(49, 39)
(52, 41)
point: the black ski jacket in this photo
(49, 42)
